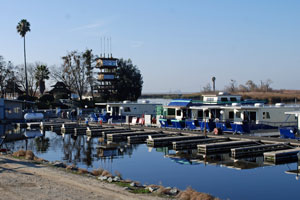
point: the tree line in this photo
(249, 86)
(77, 72)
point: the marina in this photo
(187, 165)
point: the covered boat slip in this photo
(234, 118)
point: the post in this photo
(204, 123)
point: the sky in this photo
(178, 45)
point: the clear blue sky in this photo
(177, 45)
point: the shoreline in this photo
(24, 177)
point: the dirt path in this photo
(26, 180)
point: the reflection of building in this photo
(106, 75)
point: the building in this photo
(12, 110)
(106, 75)
(61, 90)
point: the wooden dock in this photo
(223, 146)
(136, 139)
(116, 137)
(95, 132)
(278, 156)
(167, 141)
(118, 130)
(192, 144)
(257, 150)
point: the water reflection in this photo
(174, 168)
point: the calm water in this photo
(137, 162)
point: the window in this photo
(210, 99)
(233, 99)
(171, 111)
(126, 109)
(238, 114)
(224, 99)
(200, 113)
(231, 115)
(178, 112)
(206, 113)
(266, 115)
(17, 110)
(108, 108)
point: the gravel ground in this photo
(21, 179)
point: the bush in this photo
(47, 98)
(26, 98)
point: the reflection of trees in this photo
(42, 144)
(77, 150)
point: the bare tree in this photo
(72, 73)
(252, 87)
(5, 73)
(207, 88)
(21, 79)
(265, 85)
(243, 88)
(232, 87)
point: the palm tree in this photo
(41, 74)
(23, 27)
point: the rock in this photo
(127, 188)
(72, 167)
(102, 178)
(110, 180)
(174, 191)
(133, 184)
(152, 189)
(116, 179)
(58, 164)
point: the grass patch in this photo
(135, 190)
(140, 191)
(122, 184)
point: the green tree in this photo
(129, 82)
(88, 63)
(41, 74)
(23, 27)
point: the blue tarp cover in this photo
(180, 102)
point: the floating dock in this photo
(257, 150)
(135, 139)
(192, 144)
(115, 137)
(278, 156)
(167, 141)
(117, 130)
(223, 146)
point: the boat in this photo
(226, 113)
(180, 113)
(119, 110)
(291, 132)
